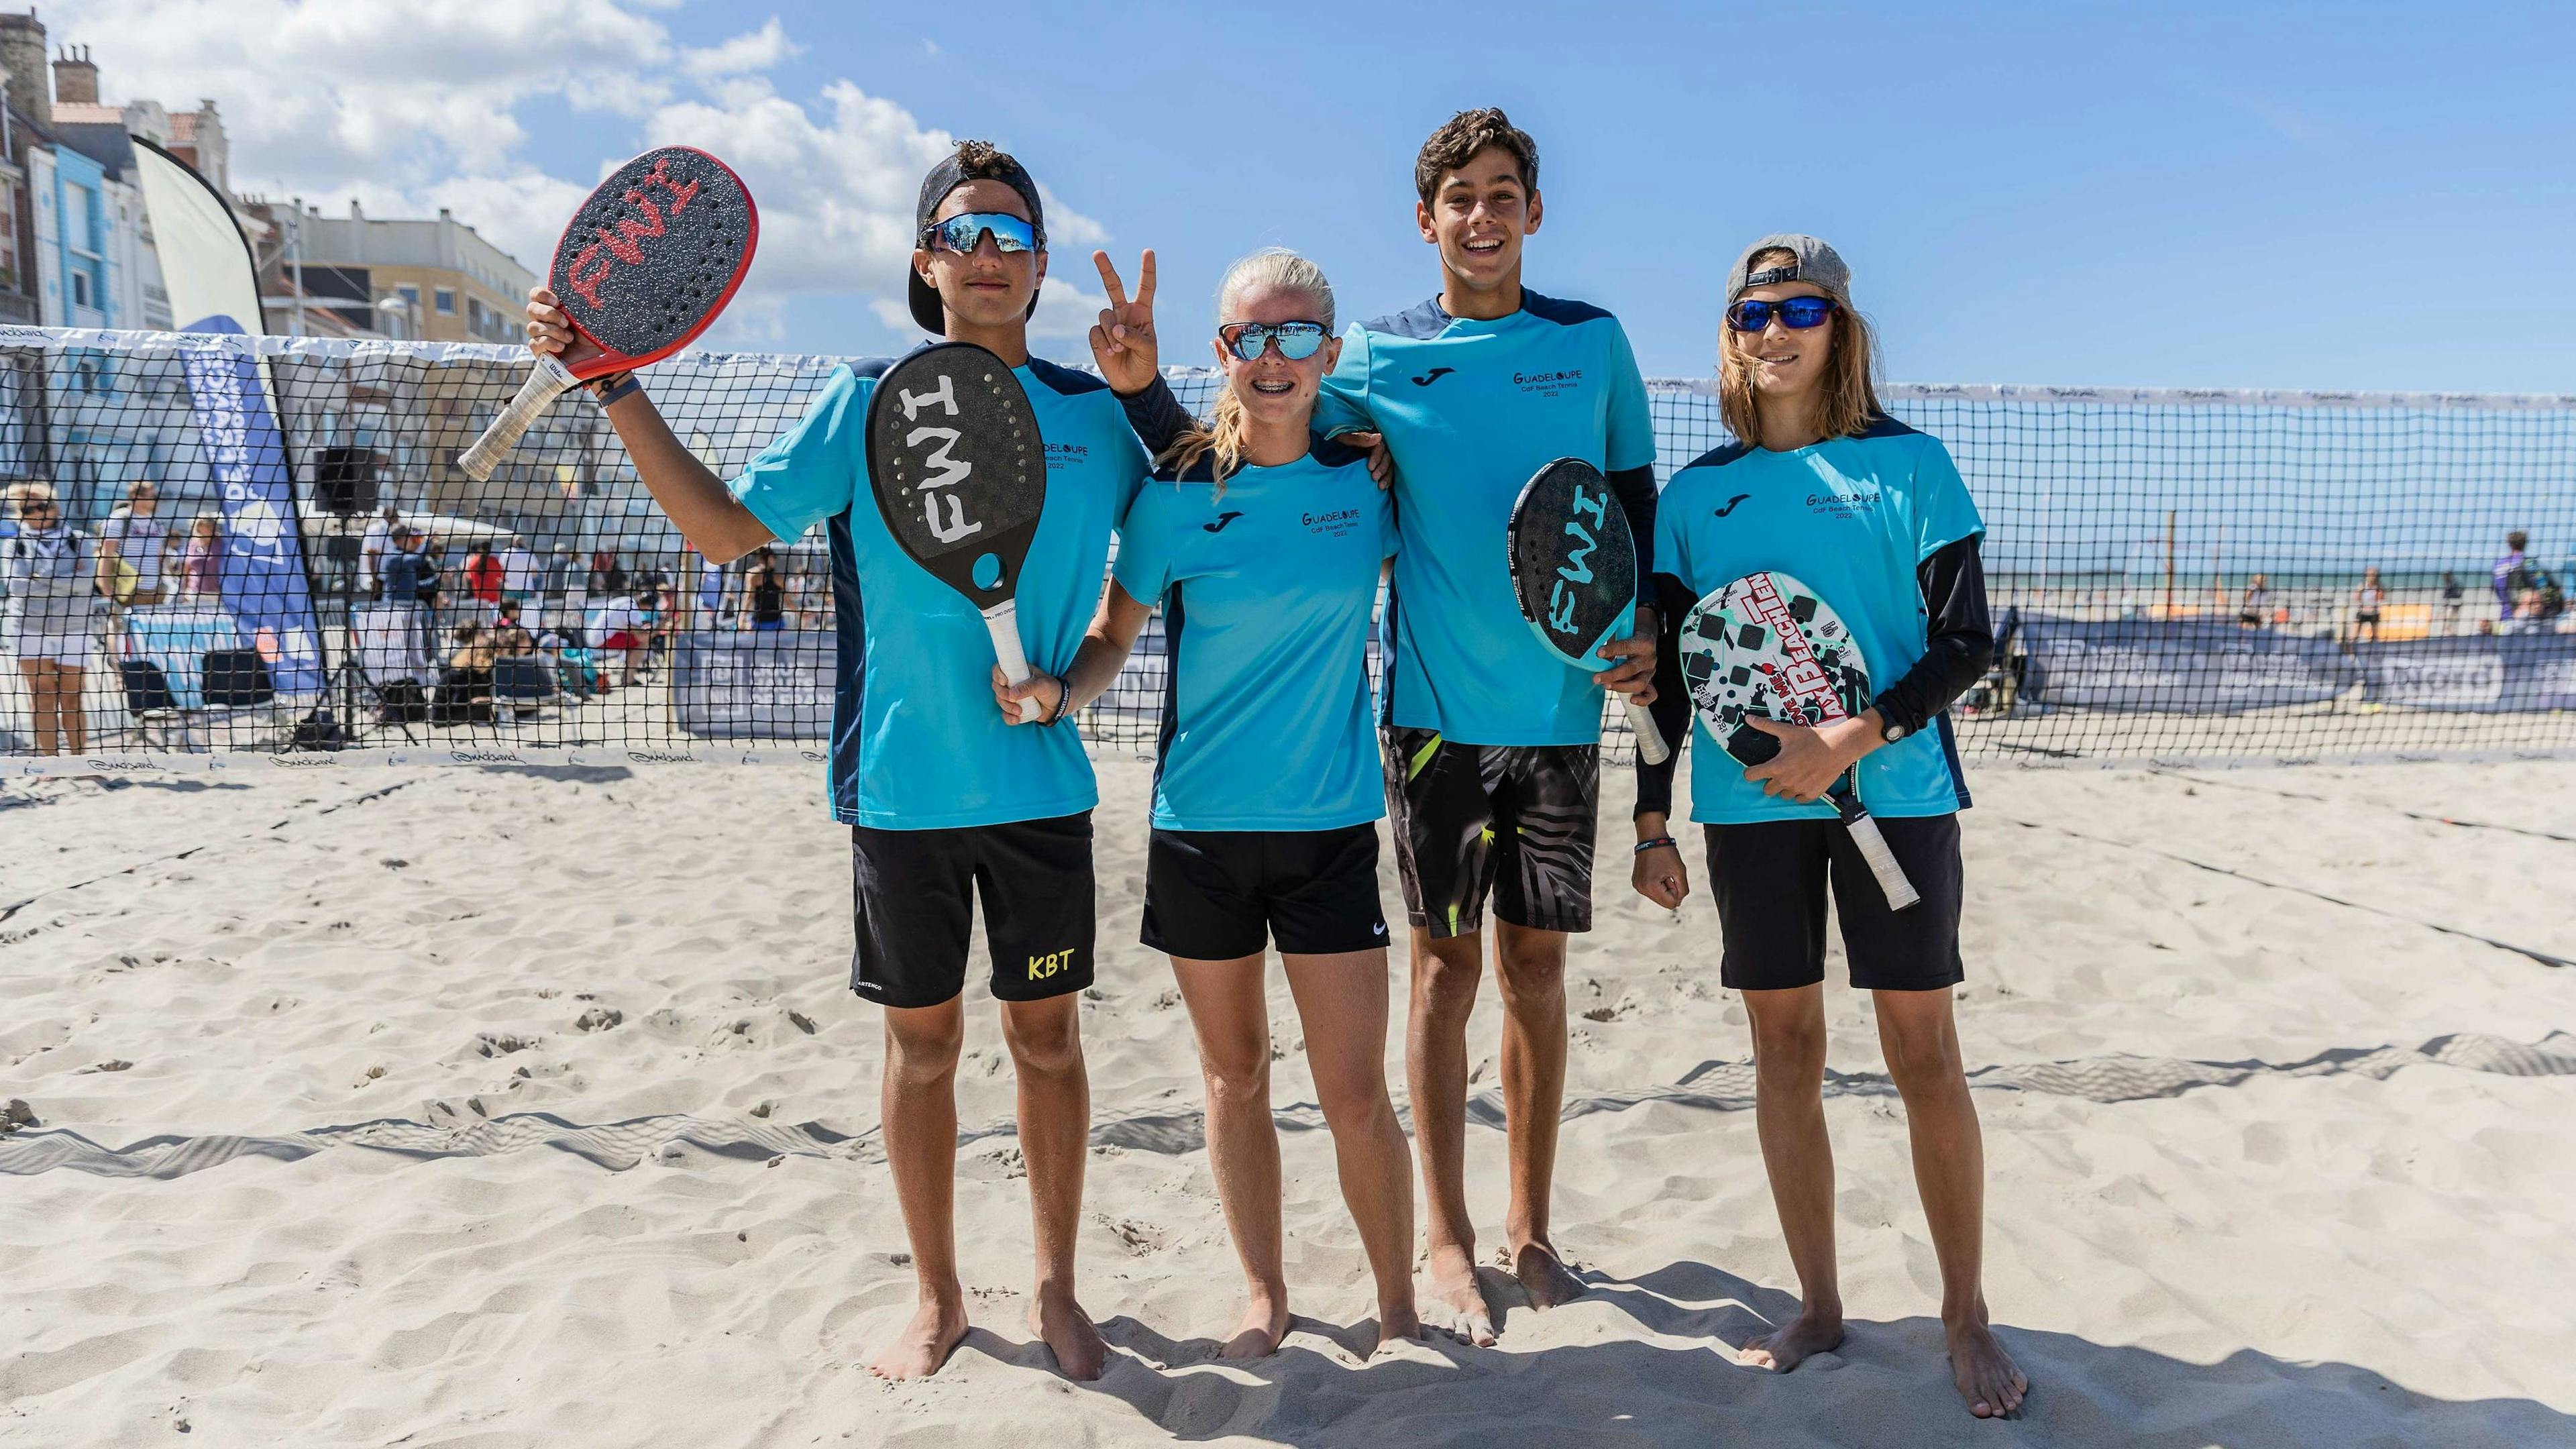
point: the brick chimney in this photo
(22, 56)
(75, 78)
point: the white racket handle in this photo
(1002, 621)
(549, 381)
(1882, 863)
(1650, 740)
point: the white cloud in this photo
(750, 51)
(409, 108)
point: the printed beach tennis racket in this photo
(960, 474)
(1766, 646)
(1574, 574)
(648, 261)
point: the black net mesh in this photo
(2175, 576)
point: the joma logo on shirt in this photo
(1053, 964)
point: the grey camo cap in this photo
(1817, 264)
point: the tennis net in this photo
(2176, 575)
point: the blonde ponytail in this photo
(1223, 434)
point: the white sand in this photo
(2266, 1169)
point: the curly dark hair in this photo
(984, 161)
(1462, 136)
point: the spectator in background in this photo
(555, 579)
(2452, 596)
(50, 621)
(518, 571)
(408, 574)
(607, 575)
(614, 629)
(375, 548)
(2511, 574)
(711, 591)
(130, 547)
(464, 693)
(764, 594)
(483, 575)
(201, 561)
(2256, 611)
(2367, 601)
(508, 634)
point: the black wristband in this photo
(614, 387)
(1658, 843)
(1063, 697)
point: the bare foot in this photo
(1985, 1374)
(1811, 1332)
(924, 1344)
(1080, 1352)
(1265, 1322)
(1544, 1276)
(1398, 1323)
(1457, 1300)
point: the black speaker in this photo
(344, 480)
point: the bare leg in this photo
(39, 674)
(919, 1106)
(1921, 1042)
(67, 701)
(1341, 999)
(1232, 1020)
(1532, 976)
(1435, 1061)
(1055, 1137)
(1789, 1114)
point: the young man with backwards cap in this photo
(1822, 485)
(942, 799)
(1492, 745)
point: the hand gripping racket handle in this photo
(1650, 740)
(549, 381)
(1882, 863)
(1002, 621)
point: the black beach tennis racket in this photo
(1574, 574)
(959, 472)
(1767, 647)
(648, 261)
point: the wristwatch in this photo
(1893, 732)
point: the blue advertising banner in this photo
(754, 686)
(2480, 673)
(2179, 667)
(264, 586)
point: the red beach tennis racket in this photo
(649, 259)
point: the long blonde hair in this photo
(1223, 436)
(1850, 402)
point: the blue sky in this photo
(2344, 196)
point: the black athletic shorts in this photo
(1214, 895)
(1515, 821)
(914, 893)
(1769, 879)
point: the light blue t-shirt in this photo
(1852, 518)
(917, 743)
(1472, 409)
(1267, 590)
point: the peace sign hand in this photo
(1122, 341)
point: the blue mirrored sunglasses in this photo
(1797, 312)
(965, 231)
(1248, 340)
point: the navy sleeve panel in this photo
(1422, 321)
(1960, 640)
(1636, 490)
(1672, 706)
(1157, 415)
(1071, 382)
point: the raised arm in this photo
(690, 493)
(1105, 647)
